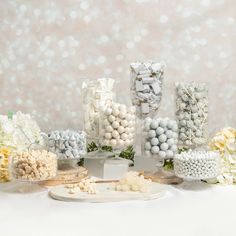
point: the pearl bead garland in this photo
(160, 137)
(120, 128)
(197, 164)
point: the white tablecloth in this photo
(208, 211)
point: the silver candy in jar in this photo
(146, 86)
(160, 137)
(67, 144)
(192, 113)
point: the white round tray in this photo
(105, 193)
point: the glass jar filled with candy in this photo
(117, 126)
(96, 94)
(192, 114)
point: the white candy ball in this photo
(108, 111)
(111, 118)
(113, 142)
(121, 129)
(162, 138)
(122, 114)
(162, 154)
(152, 133)
(124, 123)
(123, 107)
(115, 124)
(164, 146)
(109, 128)
(120, 142)
(155, 149)
(154, 124)
(115, 112)
(148, 120)
(171, 141)
(124, 136)
(169, 154)
(163, 123)
(169, 134)
(115, 134)
(108, 135)
(160, 130)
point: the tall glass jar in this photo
(146, 87)
(96, 94)
(192, 114)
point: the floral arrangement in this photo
(4, 164)
(225, 143)
(19, 131)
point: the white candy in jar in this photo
(120, 128)
(96, 94)
(197, 164)
(35, 165)
(160, 137)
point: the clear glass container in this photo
(117, 126)
(96, 95)
(70, 146)
(192, 114)
(146, 87)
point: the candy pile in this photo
(192, 113)
(67, 144)
(225, 143)
(197, 164)
(35, 165)
(96, 94)
(146, 86)
(118, 126)
(133, 181)
(85, 185)
(4, 165)
(161, 137)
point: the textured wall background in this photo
(47, 48)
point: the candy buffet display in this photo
(67, 144)
(197, 165)
(34, 165)
(192, 113)
(146, 86)
(225, 143)
(133, 181)
(117, 126)
(160, 137)
(4, 164)
(19, 131)
(97, 94)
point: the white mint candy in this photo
(108, 135)
(115, 124)
(120, 142)
(171, 142)
(109, 128)
(122, 114)
(111, 118)
(169, 134)
(169, 153)
(115, 134)
(162, 154)
(121, 129)
(148, 120)
(124, 136)
(124, 123)
(113, 142)
(115, 112)
(108, 111)
(163, 123)
(154, 124)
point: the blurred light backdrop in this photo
(48, 48)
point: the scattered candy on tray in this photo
(160, 137)
(86, 185)
(133, 181)
(67, 144)
(4, 164)
(192, 113)
(225, 143)
(96, 94)
(146, 86)
(195, 165)
(118, 126)
(34, 165)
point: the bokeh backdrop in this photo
(49, 47)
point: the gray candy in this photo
(67, 144)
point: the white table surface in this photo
(209, 211)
